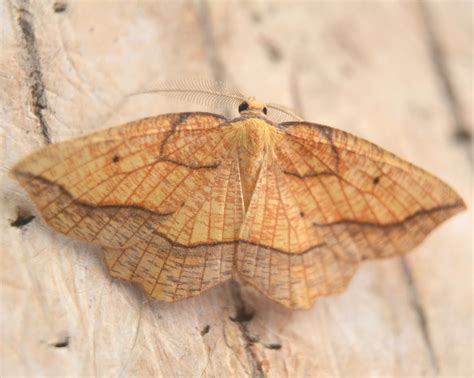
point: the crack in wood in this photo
(243, 316)
(420, 314)
(462, 131)
(217, 66)
(33, 67)
(212, 52)
(295, 93)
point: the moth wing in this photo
(347, 199)
(113, 187)
(360, 196)
(280, 254)
(158, 194)
(193, 249)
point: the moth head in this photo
(251, 105)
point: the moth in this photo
(183, 202)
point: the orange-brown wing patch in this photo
(273, 218)
(282, 255)
(294, 280)
(94, 188)
(360, 196)
(170, 272)
(213, 214)
(191, 250)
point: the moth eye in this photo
(243, 106)
(265, 110)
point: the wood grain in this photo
(366, 68)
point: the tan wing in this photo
(193, 249)
(282, 255)
(346, 200)
(119, 187)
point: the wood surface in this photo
(397, 74)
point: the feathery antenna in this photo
(279, 113)
(208, 92)
(200, 91)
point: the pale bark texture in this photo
(396, 73)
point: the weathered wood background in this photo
(396, 73)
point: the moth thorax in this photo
(258, 137)
(255, 140)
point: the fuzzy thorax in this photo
(254, 137)
(253, 141)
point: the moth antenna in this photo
(198, 90)
(279, 113)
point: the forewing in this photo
(360, 196)
(115, 186)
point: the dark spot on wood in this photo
(272, 50)
(302, 214)
(205, 330)
(462, 135)
(376, 180)
(252, 339)
(22, 219)
(274, 346)
(60, 6)
(62, 343)
(116, 159)
(243, 315)
(256, 18)
(347, 70)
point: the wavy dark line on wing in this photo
(458, 205)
